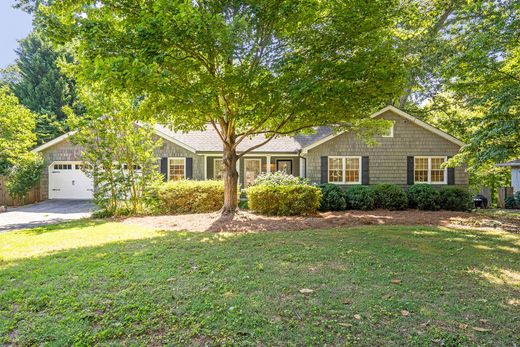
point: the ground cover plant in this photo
(92, 282)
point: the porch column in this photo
(302, 168)
(268, 163)
(205, 167)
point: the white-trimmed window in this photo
(389, 132)
(430, 170)
(345, 170)
(176, 169)
(218, 169)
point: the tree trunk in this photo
(230, 159)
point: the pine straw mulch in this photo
(245, 221)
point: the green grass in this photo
(91, 282)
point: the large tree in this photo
(247, 67)
(42, 87)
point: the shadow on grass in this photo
(75, 224)
(201, 288)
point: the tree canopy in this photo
(247, 67)
(42, 87)
(17, 125)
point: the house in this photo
(411, 152)
(515, 173)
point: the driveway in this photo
(45, 212)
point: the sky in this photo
(14, 25)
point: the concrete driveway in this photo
(45, 212)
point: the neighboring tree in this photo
(42, 87)
(118, 154)
(24, 175)
(17, 125)
(248, 67)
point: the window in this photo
(218, 169)
(136, 167)
(389, 132)
(284, 166)
(62, 166)
(177, 169)
(345, 170)
(252, 170)
(429, 170)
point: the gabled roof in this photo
(515, 162)
(53, 142)
(208, 140)
(399, 113)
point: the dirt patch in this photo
(246, 221)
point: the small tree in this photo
(247, 67)
(118, 154)
(24, 175)
(17, 126)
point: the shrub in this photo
(24, 175)
(360, 198)
(188, 196)
(423, 197)
(390, 196)
(332, 198)
(284, 200)
(455, 199)
(279, 178)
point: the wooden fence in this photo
(6, 200)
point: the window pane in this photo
(176, 169)
(335, 170)
(253, 169)
(352, 170)
(218, 169)
(437, 171)
(421, 170)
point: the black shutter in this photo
(365, 177)
(189, 168)
(451, 175)
(409, 171)
(164, 168)
(324, 169)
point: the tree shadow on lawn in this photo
(200, 288)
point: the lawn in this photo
(90, 282)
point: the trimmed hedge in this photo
(360, 198)
(390, 197)
(455, 199)
(284, 200)
(424, 197)
(189, 196)
(333, 198)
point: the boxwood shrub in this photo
(390, 196)
(423, 197)
(189, 196)
(284, 200)
(360, 198)
(332, 198)
(455, 199)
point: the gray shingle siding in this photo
(388, 159)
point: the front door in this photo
(253, 168)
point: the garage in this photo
(68, 181)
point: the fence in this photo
(6, 200)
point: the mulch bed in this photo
(245, 221)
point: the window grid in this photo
(429, 170)
(344, 170)
(62, 166)
(177, 169)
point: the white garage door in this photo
(67, 181)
